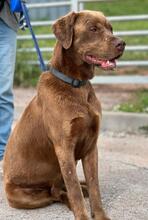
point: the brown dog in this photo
(61, 123)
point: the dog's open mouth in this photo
(104, 64)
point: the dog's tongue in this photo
(105, 64)
(108, 64)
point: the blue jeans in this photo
(7, 65)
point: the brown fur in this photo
(61, 125)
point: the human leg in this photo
(7, 64)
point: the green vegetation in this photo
(24, 73)
(144, 129)
(120, 7)
(138, 104)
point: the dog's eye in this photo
(93, 29)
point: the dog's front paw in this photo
(100, 216)
(82, 217)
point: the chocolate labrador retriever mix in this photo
(60, 125)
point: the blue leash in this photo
(27, 19)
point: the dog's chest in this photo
(88, 128)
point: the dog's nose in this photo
(120, 45)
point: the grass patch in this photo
(130, 25)
(25, 75)
(136, 55)
(144, 129)
(139, 103)
(119, 7)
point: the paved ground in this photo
(123, 177)
(123, 180)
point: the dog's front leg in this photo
(66, 160)
(90, 166)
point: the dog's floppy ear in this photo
(63, 29)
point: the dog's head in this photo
(90, 35)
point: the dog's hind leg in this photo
(28, 198)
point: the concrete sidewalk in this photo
(123, 181)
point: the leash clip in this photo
(22, 23)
